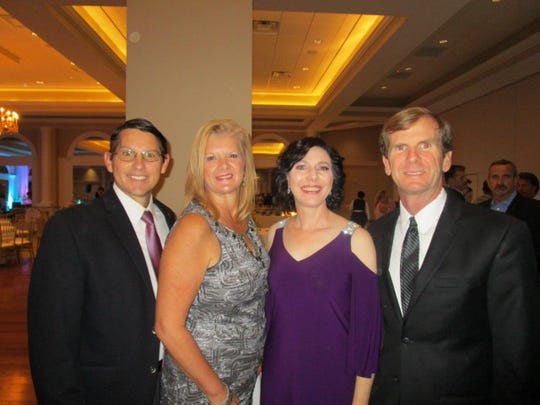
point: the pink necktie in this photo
(152, 240)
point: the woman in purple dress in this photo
(324, 321)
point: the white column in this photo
(47, 168)
(65, 181)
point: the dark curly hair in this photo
(296, 152)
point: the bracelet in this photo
(229, 398)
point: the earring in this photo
(288, 190)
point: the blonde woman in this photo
(212, 284)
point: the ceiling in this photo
(439, 54)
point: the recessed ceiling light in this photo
(443, 41)
(296, 87)
(317, 41)
(265, 27)
(408, 69)
(34, 34)
(384, 87)
(278, 74)
(305, 68)
(40, 82)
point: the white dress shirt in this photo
(427, 219)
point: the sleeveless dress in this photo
(226, 318)
(359, 214)
(324, 324)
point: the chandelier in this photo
(9, 120)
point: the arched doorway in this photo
(17, 158)
(82, 170)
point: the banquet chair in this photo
(36, 221)
(8, 250)
(24, 239)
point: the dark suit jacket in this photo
(471, 333)
(91, 309)
(528, 210)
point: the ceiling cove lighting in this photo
(267, 148)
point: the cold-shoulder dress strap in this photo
(349, 228)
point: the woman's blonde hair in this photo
(195, 187)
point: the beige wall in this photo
(362, 164)
(504, 124)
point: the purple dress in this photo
(324, 324)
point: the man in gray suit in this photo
(92, 291)
(459, 297)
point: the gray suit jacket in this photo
(472, 330)
(91, 309)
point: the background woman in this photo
(212, 283)
(324, 317)
(383, 205)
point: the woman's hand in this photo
(230, 398)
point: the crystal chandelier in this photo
(9, 120)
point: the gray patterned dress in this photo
(226, 318)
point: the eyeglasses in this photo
(129, 155)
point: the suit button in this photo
(406, 340)
(395, 378)
(153, 370)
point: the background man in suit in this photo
(527, 185)
(456, 180)
(467, 330)
(92, 290)
(502, 181)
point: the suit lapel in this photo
(121, 225)
(169, 215)
(439, 247)
(384, 247)
(514, 207)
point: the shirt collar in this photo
(133, 209)
(427, 217)
(503, 205)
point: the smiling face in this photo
(311, 178)
(416, 162)
(139, 177)
(224, 165)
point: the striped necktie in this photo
(409, 264)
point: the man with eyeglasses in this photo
(93, 284)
